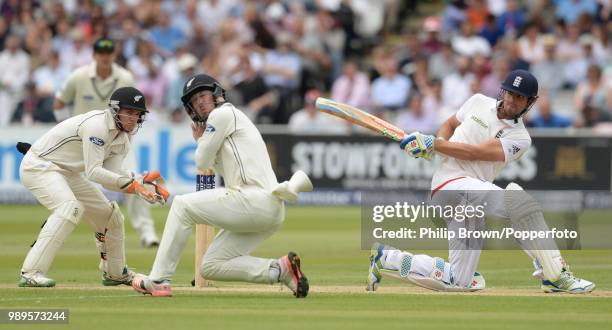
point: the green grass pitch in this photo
(328, 241)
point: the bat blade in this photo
(360, 117)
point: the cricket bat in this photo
(204, 234)
(360, 117)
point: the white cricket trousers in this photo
(246, 217)
(463, 253)
(55, 188)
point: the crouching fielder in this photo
(60, 170)
(476, 143)
(247, 211)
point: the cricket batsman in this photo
(247, 211)
(476, 143)
(61, 169)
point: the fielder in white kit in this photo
(60, 170)
(247, 211)
(87, 88)
(476, 143)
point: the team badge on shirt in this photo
(210, 128)
(96, 140)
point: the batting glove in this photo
(418, 145)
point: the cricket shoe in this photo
(291, 275)
(149, 242)
(568, 283)
(374, 275)
(126, 278)
(35, 280)
(144, 285)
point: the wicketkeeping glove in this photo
(149, 187)
(418, 145)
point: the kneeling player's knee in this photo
(209, 268)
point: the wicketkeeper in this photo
(475, 144)
(60, 170)
(247, 211)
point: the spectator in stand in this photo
(457, 87)
(250, 93)
(14, 73)
(453, 16)
(545, 116)
(308, 44)
(78, 53)
(530, 44)
(432, 43)
(281, 72)
(434, 103)
(489, 85)
(34, 108)
(186, 64)
(391, 90)
(50, 77)
(146, 67)
(513, 19)
(570, 10)
(593, 93)
(353, 87)
(477, 13)
(491, 31)
(311, 121)
(549, 70)
(165, 36)
(468, 43)
(415, 118)
(570, 52)
(442, 64)
(408, 53)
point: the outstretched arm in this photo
(490, 150)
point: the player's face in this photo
(104, 59)
(513, 104)
(203, 103)
(128, 118)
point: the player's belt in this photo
(444, 184)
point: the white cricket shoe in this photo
(35, 280)
(568, 283)
(374, 275)
(145, 285)
(291, 275)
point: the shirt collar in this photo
(92, 70)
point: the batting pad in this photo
(433, 284)
(526, 215)
(111, 245)
(58, 227)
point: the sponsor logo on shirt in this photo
(88, 97)
(499, 134)
(515, 149)
(479, 121)
(96, 140)
(210, 128)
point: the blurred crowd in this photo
(276, 57)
